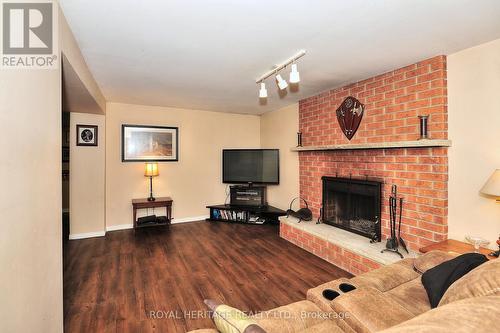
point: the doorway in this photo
(65, 173)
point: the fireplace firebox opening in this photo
(353, 205)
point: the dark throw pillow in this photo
(438, 279)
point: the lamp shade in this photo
(263, 90)
(151, 170)
(282, 84)
(492, 186)
(294, 74)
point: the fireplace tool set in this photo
(395, 240)
(303, 214)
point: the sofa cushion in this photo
(327, 326)
(386, 277)
(383, 279)
(315, 294)
(412, 296)
(231, 320)
(291, 318)
(438, 279)
(470, 315)
(368, 310)
(406, 262)
(431, 259)
(482, 281)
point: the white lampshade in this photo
(282, 84)
(492, 186)
(263, 90)
(294, 74)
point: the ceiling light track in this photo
(279, 67)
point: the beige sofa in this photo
(392, 299)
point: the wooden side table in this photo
(143, 203)
(454, 246)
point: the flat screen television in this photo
(258, 166)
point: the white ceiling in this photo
(205, 54)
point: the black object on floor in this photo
(438, 279)
(330, 294)
(150, 219)
(346, 287)
(162, 220)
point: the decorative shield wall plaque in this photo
(349, 115)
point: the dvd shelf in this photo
(229, 215)
(245, 214)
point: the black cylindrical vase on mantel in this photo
(424, 127)
(299, 139)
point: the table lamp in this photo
(151, 170)
(492, 188)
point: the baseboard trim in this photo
(130, 226)
(190, 219)
(119, 227)
(174, 221)
(87, 235)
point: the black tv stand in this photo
(252, 195)
(245, 214)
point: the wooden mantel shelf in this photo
(378, 145)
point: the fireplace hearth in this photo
(353, 205)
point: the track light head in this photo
(282, 84)
(294, 74)
(263, 90)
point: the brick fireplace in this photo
(393, 101)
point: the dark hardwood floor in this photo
(112, 284)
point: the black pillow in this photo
(438, 279)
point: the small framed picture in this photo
(86, 135)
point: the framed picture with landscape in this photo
(150, 143)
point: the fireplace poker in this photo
(401, 241)
(392, 242)
(394, 203)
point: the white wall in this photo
(30, 201)
(87, 179)
(31, 298)
(278, 129)
(195, 180)
(474, 128)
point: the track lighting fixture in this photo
(263, 90)
(282, 84)
(294, 74)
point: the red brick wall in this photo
(392, 103)
(343, 258)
